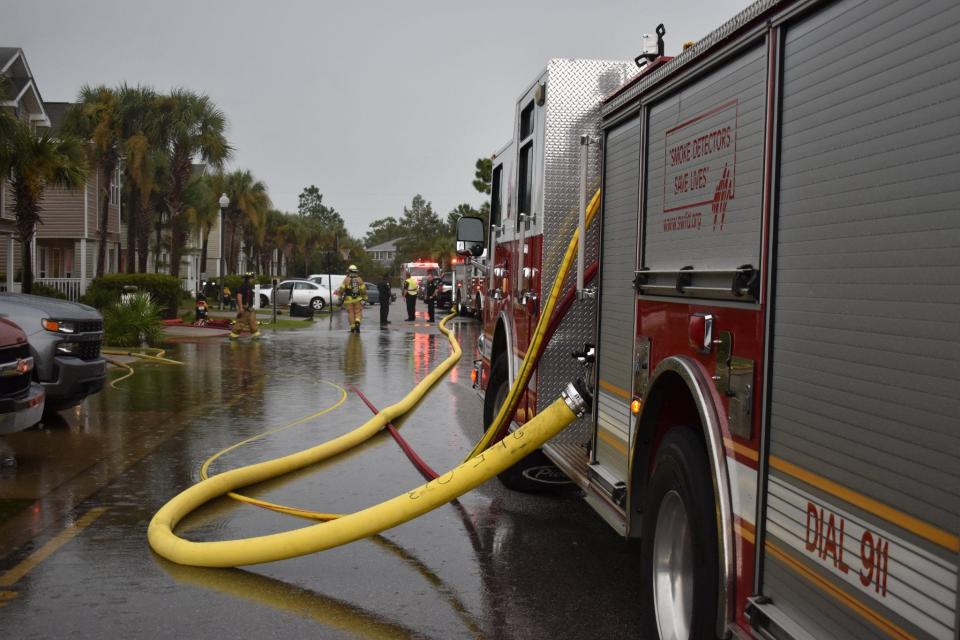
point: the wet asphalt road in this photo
(76, 496)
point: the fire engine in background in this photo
(769, 319)
(419, 269)
(469, 284)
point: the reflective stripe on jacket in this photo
(413, 287)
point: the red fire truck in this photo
(469, 286)
(769, 319)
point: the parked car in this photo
(332, 281)
(373, 294)
(21, 399)
(302, 292)
(65, 340)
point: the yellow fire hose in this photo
(481, 465)
(532, 358)
(357, 525)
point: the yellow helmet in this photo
(352, 268)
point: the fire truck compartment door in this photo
(863, 485)
(621, 185)
(704, 185)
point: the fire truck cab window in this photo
(525, 186)
(526, 122)
(495, 196)
(525, 164)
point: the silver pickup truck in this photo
(65, 340)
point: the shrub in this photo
(105, 291)
(47, 291)
(131, 323)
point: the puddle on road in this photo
(495, 566)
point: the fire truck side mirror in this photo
(470, 236)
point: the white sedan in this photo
(302, 292)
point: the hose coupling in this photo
(577, 398)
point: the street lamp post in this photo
(224, 203)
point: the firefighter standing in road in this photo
(383, 288)
(246, 314)
(433, 289)
(410, 289)
(353, 292)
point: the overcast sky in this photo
(373, 101)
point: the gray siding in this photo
(621, 195)
(865, 373)
(62, 213)
(867, 354)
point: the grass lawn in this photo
(264, 317)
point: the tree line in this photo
(154, 141)
(421, 232)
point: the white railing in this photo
(68, 286)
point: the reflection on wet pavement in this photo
(495, 565)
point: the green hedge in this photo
(163, 289)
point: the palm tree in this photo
(203, 209)
(246, 216)
(154, 204)
(142, 142)
(194, 128)
(39, 160)
(97, 118)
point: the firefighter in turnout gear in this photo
(246, 314)
(353, 292)
(410, 289)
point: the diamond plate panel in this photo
(575, 89)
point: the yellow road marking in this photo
(831, 589)
(29, 563)
(6, 596)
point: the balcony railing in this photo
(68, 286)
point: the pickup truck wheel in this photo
(317, 304)
(513, 478)
(680, 560)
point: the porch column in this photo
(11, 246)
(83, 266)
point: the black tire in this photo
(680, 485)
(317, 304)
(264, 301)
(478, 307)
(497, 390)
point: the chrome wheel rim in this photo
(673, 569)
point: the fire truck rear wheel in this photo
(680, 560)
(497, 390)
